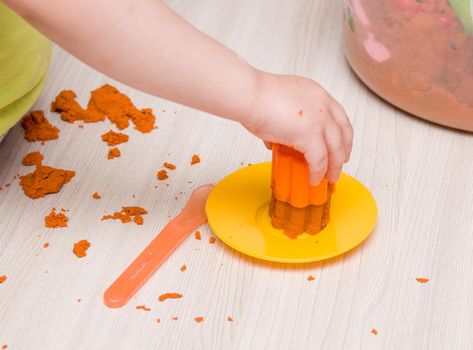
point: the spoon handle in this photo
(144, 266)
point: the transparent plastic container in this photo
(416, 54)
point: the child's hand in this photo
(298, 112)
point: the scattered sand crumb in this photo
(80, 248)
(195, 159)
(166, 296)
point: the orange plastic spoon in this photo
(140, 270)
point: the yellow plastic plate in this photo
(237, 210)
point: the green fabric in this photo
(24, 60)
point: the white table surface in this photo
(420, 174)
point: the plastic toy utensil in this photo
(140, 270)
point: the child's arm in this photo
(146, 45)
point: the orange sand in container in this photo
(96, 195)
(162, 175)
(3, 278)
(128, 214)
(54, 220)
(113, 153)
(422, 280)
(143, 307)
(71, 111)
(33, 158)
(80, 248)
(120, 110)
(38, 128)
(199, 319)
(44, 180)
(195, 159)
(169, 166)
(166, 296)
(197, 235)
(113, 138)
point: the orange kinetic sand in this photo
(183, 268)
(143, 307)
(113, 138)
(212, 240)
(199, 319)
(113, 153)
(38, 128)
(3, 278)
(197, 235)
(128, 214)
(96, 195)
(33, 158)
(422, 280)
(310, 278)
(71, 111)
(374, 331)
(120, 110)
(230, 319)
(195, 159)
(46, 245)
(81, 247)
(54, 220)
(169, 166)
(296, 206)
(162, 175)
(44, 180)
(166, 296)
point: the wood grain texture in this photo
(419, 173)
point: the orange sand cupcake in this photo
(296, 206)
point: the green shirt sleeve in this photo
(24, 60)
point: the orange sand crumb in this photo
(54, 220)
(162, 175)
(3, 279)
(113, 138)
(183, 268)
(81, 247)
(79, 300)
(166, 296)
(38, 128)
(7, 185)
(46, 245)
(113, 153)
(128, 214)
(422, 280)
(4, 346)
(44, 180)
(197, 235)
(212, 239)
(195, 159)
(71, 111)
(170, 166)
(310, 278)
(119, 109)
(32, 158)
(199, 319)
(230, 319)
(81, 126)
(374, 331)
(174, 318)
(96, 195)
(143, 307)
(158, 320)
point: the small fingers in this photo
(336, 151)
(341, 119)
(269, 145)
(316, 157)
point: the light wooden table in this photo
(420, 174)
